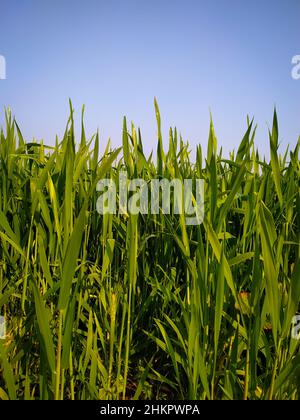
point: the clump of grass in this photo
(143, 306)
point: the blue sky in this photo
(230, 56)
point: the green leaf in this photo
(44, 327)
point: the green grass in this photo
(126, 306)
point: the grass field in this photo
(144, 306)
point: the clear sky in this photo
(230, 56)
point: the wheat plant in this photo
(124, 306)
